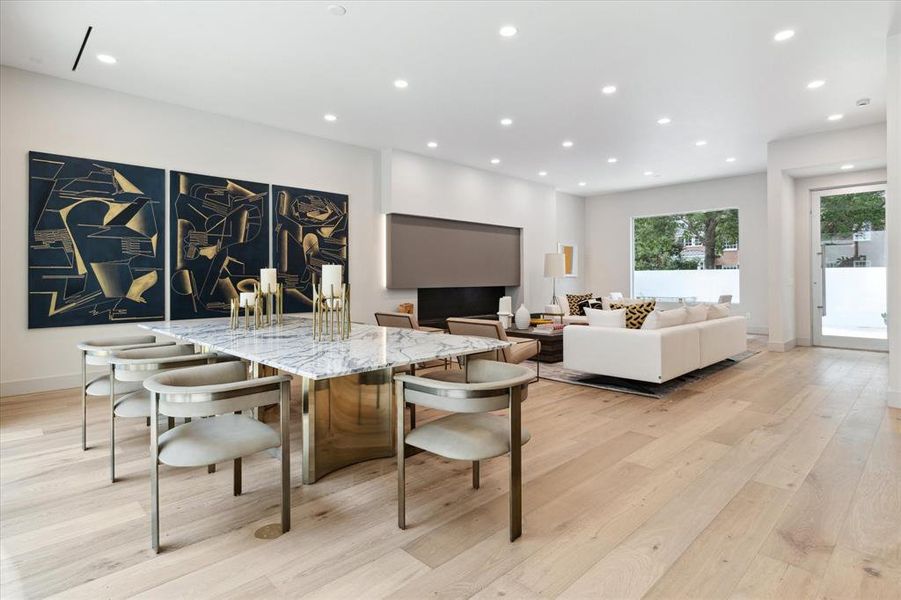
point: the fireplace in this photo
(437, 304)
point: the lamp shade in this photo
(554, 265)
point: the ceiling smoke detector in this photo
(863, 102)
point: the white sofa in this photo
(655, 355)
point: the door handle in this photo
(822, 305)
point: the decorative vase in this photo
(522, 317)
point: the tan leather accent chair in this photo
(402, 321)
(521, 349)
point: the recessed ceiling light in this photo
(567, 144)
(609, 89)
(835, 117)
(664, 121)
(582, 184)
(648, 173)
(816, 83)
(506, 121)
(432, 144)
(330, 117)
(401, 83)
(701, 143)
(612, 160)
(495, 161)
(847, 167)
(785, 34)
(542, 173)
(730, 159)
(106, 59)
(337, 10)
(508, 31)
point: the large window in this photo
(686, 256)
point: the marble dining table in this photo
(345, 388)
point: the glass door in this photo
(848, 271)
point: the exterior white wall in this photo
(787, 159)
(608, 233)
(52, 115)
(705, 285)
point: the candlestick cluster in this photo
(261, 307)
(331, 305)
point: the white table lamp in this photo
(554, 267)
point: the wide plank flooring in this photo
(777, 477)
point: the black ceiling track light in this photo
(84, 43)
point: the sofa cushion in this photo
(574, 320)
(636, 312)
(718, 311)
(574, 301)
(606, 318)
(696, 313)
(660, 319)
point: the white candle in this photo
(331, 280)
(268, 280)
(247, 299)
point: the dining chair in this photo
(130, 367)
(471, 432)
(213, 397)
(97, 353)
(520, 350)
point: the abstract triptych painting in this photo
(310, 231)
(95, 242)
(220, 242)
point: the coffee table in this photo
(551, 342)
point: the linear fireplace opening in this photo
(437, 304)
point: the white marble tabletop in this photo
(290, 347)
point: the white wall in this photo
(609, 232)
(893, 207)
(425, 186)
(787, 159)
(803, 189)
(571, 229)
(51, 115)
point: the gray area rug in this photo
(556, 372)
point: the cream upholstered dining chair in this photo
(472, 433)
(96, 353)
(521, 349)
(128, 367)
(220, 392)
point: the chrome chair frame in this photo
(516, 395)
(100, 350)
(149, 367)
(203, 395)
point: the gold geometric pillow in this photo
(635, 313)
(574, 300)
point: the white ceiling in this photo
(712, 67)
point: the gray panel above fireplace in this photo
(424, 253)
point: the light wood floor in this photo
(777, 477)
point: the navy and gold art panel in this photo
(219, 242)
(310, 231)
(95, 242)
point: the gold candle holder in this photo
(331, 315)
(267, 307)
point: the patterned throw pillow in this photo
(636, 312)
(574, 300)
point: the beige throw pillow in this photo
(661, 319)
(606, 318)
(718, 311)
(696, 313)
